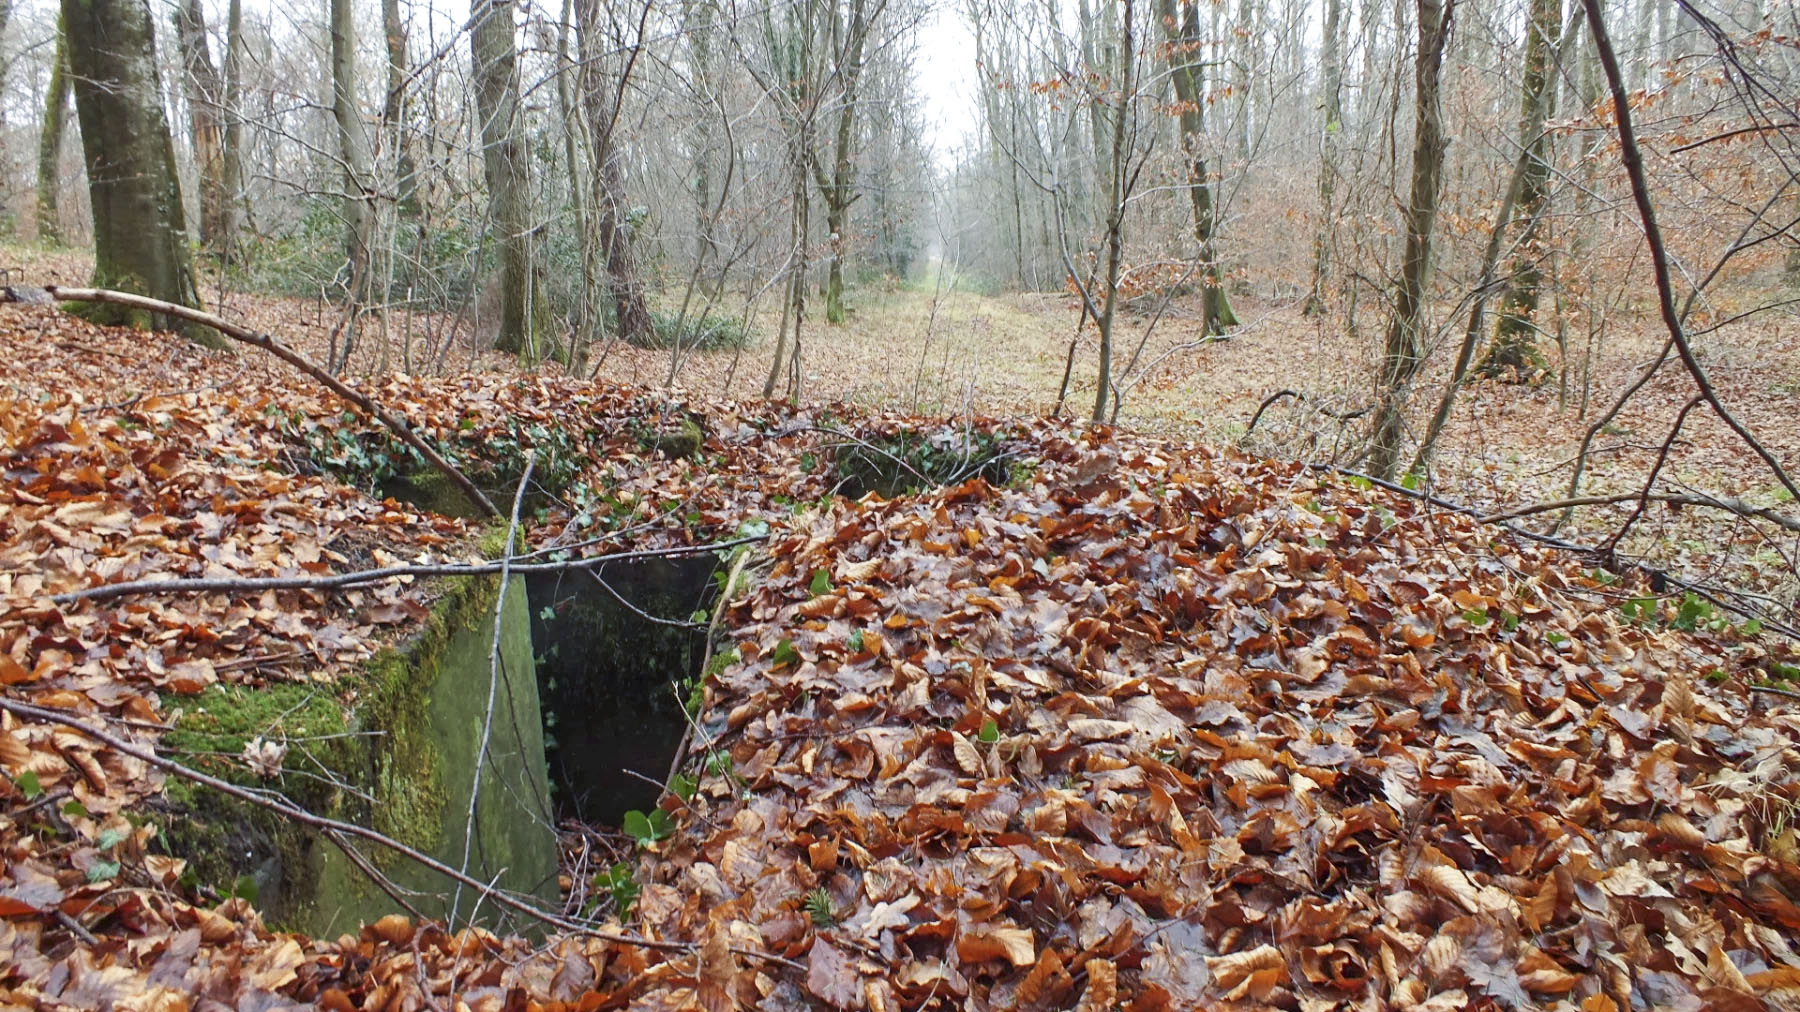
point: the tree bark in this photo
(600, 96)
(353, 150)
(1404, 354)
(50, 141)
(1332, 57)
(1185, 42)
(206, 97)
(1115, 220)
(140, 234)
(1514, 352)
(839, 190)
(524, 323)
(231, 175)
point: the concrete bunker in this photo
(619, 650)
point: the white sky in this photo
(946, 79)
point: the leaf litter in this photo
(1153, 726)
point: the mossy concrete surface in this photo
(393, 748)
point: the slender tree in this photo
(140, 235)
(601, 95)
(1331, 102)
(849, 33)
(1514, 351)
(1404, 352)
(206, 98)
(1185, 42)
(353, 154)
(231, 173)
(50, 140)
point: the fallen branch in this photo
(339, 581)
(394, 424)
(1659, 257)
(1728, 504)
(288, 809)
(494, 663)
(1711, 594)
(1342, 416)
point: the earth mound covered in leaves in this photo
(1147, 726)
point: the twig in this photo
(1659, 257)
(1662, 458)
(1342, 416)
(74, 926)
(341, 580)
(268, 343)
(287, 808)
(1774, 690)
(487, 719)
(49, 799)
(1729, 505)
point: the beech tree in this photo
(140, 235)
(50, 140)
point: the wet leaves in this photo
(1156, 726)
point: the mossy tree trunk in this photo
(50, 140)
(1514, 352)
(1404, 354)
(838, 189)
(493, 49)
(140, 235)
(1185, 42)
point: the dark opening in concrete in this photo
(611, 677)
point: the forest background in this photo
(1398, 237)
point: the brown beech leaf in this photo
(831, 977)
(1238, 967)
(982, 942)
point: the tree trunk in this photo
(393, 110)
(231, 175)
(1333, 100)
(140, 234)
(838, 190)
(1184, 44)
(524, 323)
(50, 139)
(206, 97)
(599, 95)
(1404, 354)
(1514, 353)
(1115, 219)
(353, 149)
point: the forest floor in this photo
(1147, 721)
(956, 352)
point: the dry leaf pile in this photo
(1157, 727)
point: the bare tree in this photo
(1185, 42)
(50, 140)
(1404, 353)
(601, 96)
(206, 97)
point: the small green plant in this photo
(990, 732)
(785, 653)
(683, 786)
(646, 829)
(28, 785)
(855, 642)
(820, 908)
(821, 583)
(1784, 672)
(1475, 616)
(1641, 610)
(618, 883)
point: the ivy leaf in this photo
(785, 653)
(29, 786)
(110, 838)
(821, 582)
(101, 871)
(990, 732)
(683, 786)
